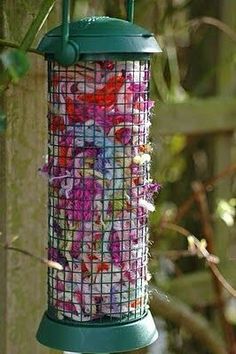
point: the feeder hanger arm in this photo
(65, 23)
(68, 52)
(130, 10)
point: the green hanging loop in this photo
(130, 10)
(68, 53)
(65, 23)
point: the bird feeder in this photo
(100, 192)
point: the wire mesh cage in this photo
(100, 191)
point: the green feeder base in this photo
(97, 338)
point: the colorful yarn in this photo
(99, 189)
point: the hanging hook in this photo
(68, 52)
(130, 10)
(65, 23)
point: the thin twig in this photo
(37, 23)
(6, 43)
(205, 217)
(196, 22)
(220, 277)
(184, 232)
(47, 262)
(171, 52)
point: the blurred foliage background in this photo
(194, 153)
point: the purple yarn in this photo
(75, 249)
(76, 244)
(150, 189)
(137, 87)
(79, 206)
(115, 248)
(55, 255)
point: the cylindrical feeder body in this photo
(100, 190)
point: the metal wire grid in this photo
(98, 125)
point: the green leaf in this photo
(2, 121)
(15, 62)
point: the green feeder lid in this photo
(99, 38)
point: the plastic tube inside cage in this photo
(100, 191)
